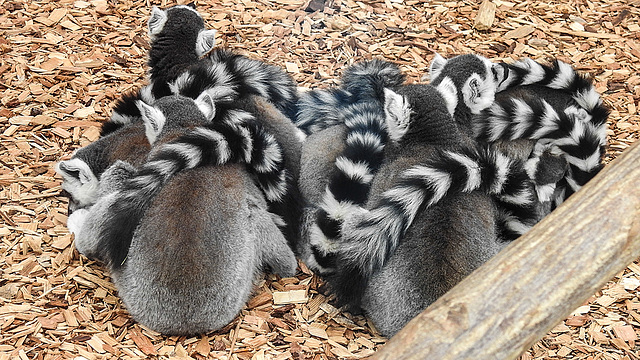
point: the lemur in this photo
(258, 88)
(200, 229)
(423, 186)
(178, 43)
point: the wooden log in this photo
(510, 302)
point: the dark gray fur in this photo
(202, 243)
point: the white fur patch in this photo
(254, 75)
(545, 192)
(181, 82)
(478, 93)
(191, 153)
(398, 114)
(277, 191)
(503, 168)
(474, 178)
(524, 197)
(154, 120)
(205, 42)
(369, 140)
(76, 220)
(436, 66)
(440, 181)
(577, 113)
(588, 99)
(450, 94)
(146, 94)
(549, 121)
(272, 156)
(337, 210)
(498, 122)
(359, 171)
(118, 118)
(83, 187)
(156, 21)
(535, 73)
(224, 153)
(523, 115)
(565, 76)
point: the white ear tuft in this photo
(437, 64)
(398, 114)
(206, 105)
(79, 180)
(450, 94)
(206, 41)
(478, 94)
(153, 120)
(156, 21)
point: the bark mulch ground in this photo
(64, 63)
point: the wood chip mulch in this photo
(64, 63)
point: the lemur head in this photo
(173, 113)
(420, 113)
(81, 174)
(181, 26)
(472, 78)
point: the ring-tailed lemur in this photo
(195, 233)
(123, 134)
(183, 139)
(178, 41)
(470, 88)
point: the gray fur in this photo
(189, 274)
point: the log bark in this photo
(510, 302)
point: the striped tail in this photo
(221, 68)
(239, 140)
(348, 188)
(369, 238)
(574, 132)
(319, 109)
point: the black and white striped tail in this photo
(221, 68)
(369, 238)
(366, 138)
(319, 109)
(348, 188)
(574, 132)
(240, 140)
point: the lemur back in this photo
(204, 238)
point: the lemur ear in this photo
(205, 42)
(75, 170)
(450, 94)
(156, 21)
(206, 105)
(437, 64)
(192, 5)
(397, 114)
(79, 181)
(477, 94)
(153, 119)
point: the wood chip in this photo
(290, 297)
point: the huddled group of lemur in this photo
(220, 169)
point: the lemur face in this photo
(474, 78)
